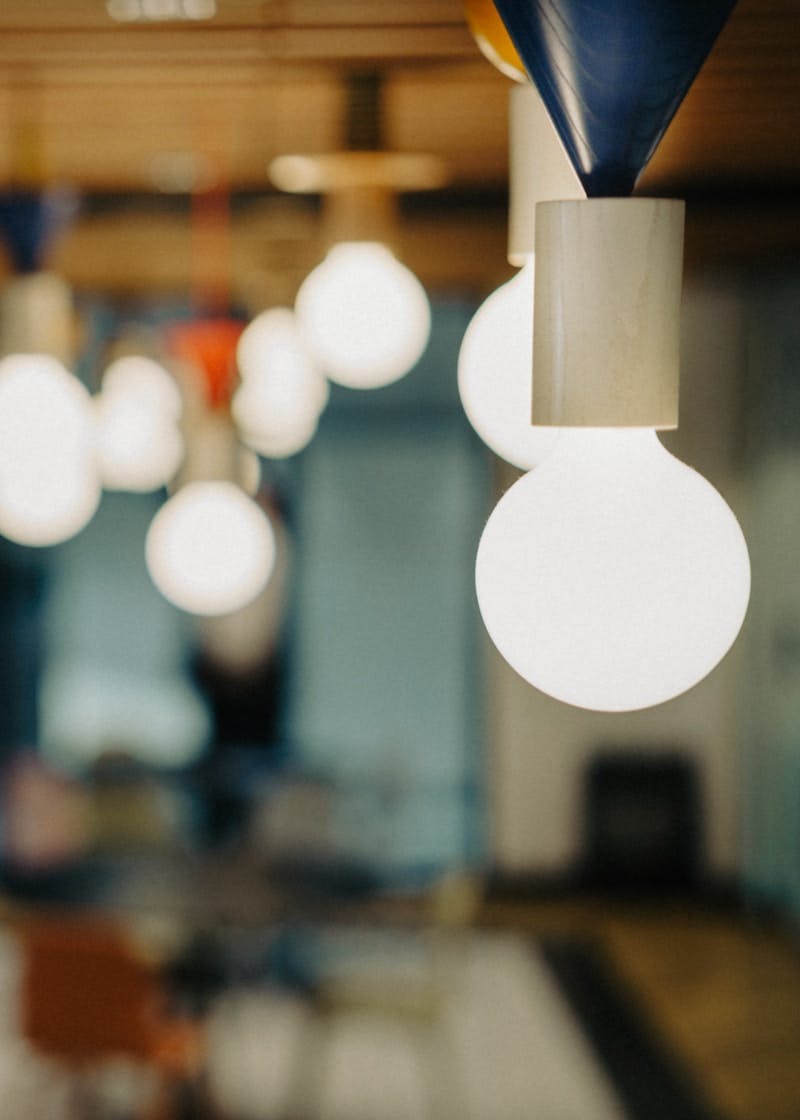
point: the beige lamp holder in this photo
(37, 316)
(359, 188)
(213, 452)
(539, 169)
(607, 312)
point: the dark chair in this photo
(642, 821)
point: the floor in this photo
(722, 988)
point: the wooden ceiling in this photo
(118, 109)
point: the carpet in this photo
(505, 1029)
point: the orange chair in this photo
(89, 995)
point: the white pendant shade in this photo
(494, 374)
(613, 577)
(365, 316)
(210, 549)
(49, 487)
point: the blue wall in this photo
(385, 694)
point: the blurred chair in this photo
(643, 813)
(89, 997)
(375, 979)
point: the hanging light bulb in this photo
(143, 379)
(494, 362)
(612, 577)
(49, 487)
(365, 315)
(139, 443)
(494, 374)
(278, 403)
(210, 549)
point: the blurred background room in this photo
(282, 834)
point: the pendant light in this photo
(366, 317)
(49, 485)
(282, 393)
(137, 414)
(210, 549)
(612, 577)
(494, 362)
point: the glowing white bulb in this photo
(290, 435)
(137, 449)
(494, 374)
(365, 316)
(210, 549)
(139, 443)
(277, 406)
(140, 378)
(49, 487)
(612, 577)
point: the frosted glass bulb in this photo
(210, 549)
(494, 373)
(277, 405)
(287, 438)
(49, 487)
(138, 448)
(135, 376)
(272, 351)
(612, 577)
(365, 316)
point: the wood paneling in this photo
(101, 105)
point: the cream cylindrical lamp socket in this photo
(607, 313)
(539, 169)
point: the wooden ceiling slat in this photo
(265, 77)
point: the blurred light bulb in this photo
(613, 577)
(293, 430)
(272, 348)
(282, 393)
(210, 549)
(49, 487)
(494, 373)
(139, 443)
(365, 316)
(144, 380)
(137, 449)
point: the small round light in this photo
(49, 487)
(365, 316)
(138, 450)
(210, 549)
(494, 374)
(277, 404)
(144, 380)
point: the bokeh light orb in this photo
(365, 316)
(210, 549)
(49, 485)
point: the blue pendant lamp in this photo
(612, 74)
(611, 576)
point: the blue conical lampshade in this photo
(612, 74)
